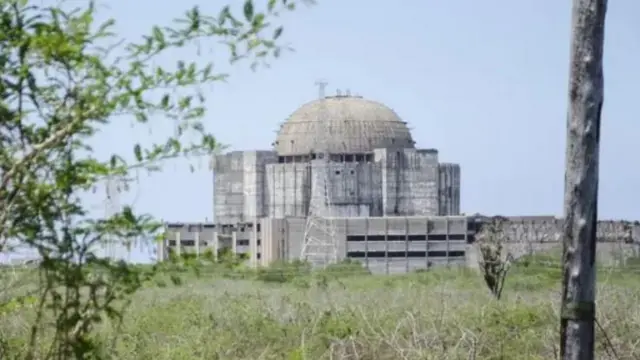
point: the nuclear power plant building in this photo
(374, 172)
(375, 168)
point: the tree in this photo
(495, 258)
(586, 96)
(63, 79)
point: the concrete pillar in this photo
(447, 238)
(161, 248)
(178, 245)
(266, 235)
(196, 236)
(253, 246)
(214, 245)
(234, 242)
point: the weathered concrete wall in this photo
(449, 189)
(355, 188)
(608, 253)
(541, 229)
(287, 189)
(409, 181)
(239, 183)
(283, 239)
(421, 181)
(617, 240)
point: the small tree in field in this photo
(495, 260)
(63, 79)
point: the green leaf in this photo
(158, 36)
(165, 101)
(137, 150)
(271, 5)
(248, 10)
(277, 33)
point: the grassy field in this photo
(440, 314)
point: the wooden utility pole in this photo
(577, 324)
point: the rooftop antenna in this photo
(320, 246)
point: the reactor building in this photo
(382, 198)
(375, 168)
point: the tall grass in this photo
(287, 312)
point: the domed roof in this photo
(353, 125)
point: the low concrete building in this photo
(383, 245)
(389, 245)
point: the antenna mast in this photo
(320, 247)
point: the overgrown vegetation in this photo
(495, 260)
(64, 79)
(271, 314)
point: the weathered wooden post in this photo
(581, 180)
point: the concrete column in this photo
(427, 230)
(386, 245)
(267, 237)
(196, 236)
(253, 246)
(214, 245)
(178, 245)
(447, 238)
(161, 248)
(406, 245)
(234, 242)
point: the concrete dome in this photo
(353, 125)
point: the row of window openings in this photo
(359, 238)
(199, 227)
(421, 237)
(242, 242)
(403, 254)
(258, 256)
(332, 157)
(193, 228)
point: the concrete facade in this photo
(384, 245)
(449, 189)
(373, 169)
(239, 186)
(387, 182)
(398, 244)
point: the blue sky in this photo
(485, 82)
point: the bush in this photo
(282, 272)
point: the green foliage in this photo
(281, 272)
(64, 78)
(443, 313)
(301, 273)
(347, 267)
(512, 324)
